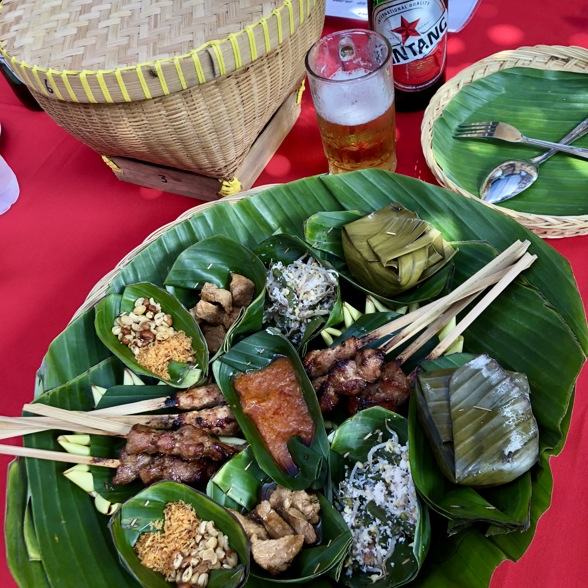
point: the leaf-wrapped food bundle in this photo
(391, 250)
(479, 421)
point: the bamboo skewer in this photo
(414, 321)
(523, 263)
(58, 456)
(79, 418)
(432, 330)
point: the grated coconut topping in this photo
(297, 293)
(378, 501)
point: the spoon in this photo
(512, 177)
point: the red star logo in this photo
(407, 29)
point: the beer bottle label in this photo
(417, 31)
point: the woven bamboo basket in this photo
(558, 58)
(188, 84)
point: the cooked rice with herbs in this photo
(297, 293)
(378, 501)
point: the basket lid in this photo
(125, 50)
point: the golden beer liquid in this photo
(360, 146)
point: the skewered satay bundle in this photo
(354, 370)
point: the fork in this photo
(505, 132)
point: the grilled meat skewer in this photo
(218, 420)
(188, 442)
(153, 468)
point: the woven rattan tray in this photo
(557, 58)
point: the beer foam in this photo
(353, 103)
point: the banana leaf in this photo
(505, 508)
(325, 233)
(542, 104)
(239, 484)
(125, 394)
(64, 517)
(25, 570)
(287, 249)
(351, 443)
(70, 354)
(213, 260)
(181, 375)
(255, 353)
(138, 513)
(528, 327)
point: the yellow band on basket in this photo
(161, 78)
(300, 92)
(219, 57)
(266, 36)
(86, 86)
(143, 83)
(104, 87)
(252, 44)
(54, 85)
(122, 86)
(230, 187)
(198, 68)
(180, 73)
(301, 7)
(236, 50)
(288, 5)
(42, 86)
(110, 163)
(278, 15)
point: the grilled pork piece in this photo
(153, 468)
(219, 420)
(319, 361)
(187, 442)
(390, 391)
(196, 398)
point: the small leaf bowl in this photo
(239, 484)
(351, 443)
(255, 353)
(213, 260)
(138, 514)
(182, 375)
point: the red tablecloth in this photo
(74, 221)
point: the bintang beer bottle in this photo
(417, 31)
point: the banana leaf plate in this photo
(533, 89)
(56, 536)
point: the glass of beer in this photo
(350, 75)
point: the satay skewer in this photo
(430, 316)
(195, 398)
(218, 421)
(61, 456)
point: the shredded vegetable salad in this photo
(378, 501)
(297, 293)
